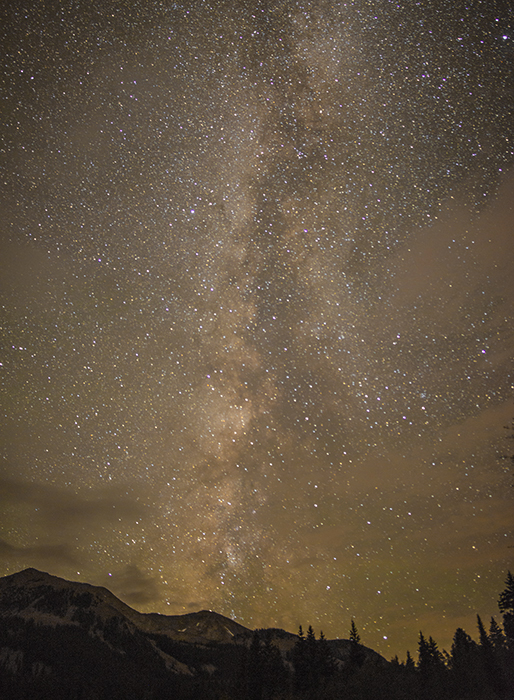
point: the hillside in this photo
(63, 640)
(66, 639)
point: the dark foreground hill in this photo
(62, 639)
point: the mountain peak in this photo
(56, 631)
(33, 593)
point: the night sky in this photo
(257, 308)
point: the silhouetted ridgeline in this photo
(64, 640)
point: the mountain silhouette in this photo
(68, 639)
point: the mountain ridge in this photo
(220, 629)
(60, 635)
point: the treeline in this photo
(112, 661)
(318, 669)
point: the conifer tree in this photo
(272, 667)
(311, 638)
(423, 657)
(357, 655)
(506, 600)
(506, 606)
(354, 635)
(429, 656)
(326, 659)
(490, 662)
(311, 658)
(467, 667)
(503, 665)
(496, 635)
(431, 668)
(299, 659)
(506, 656)
(409, 661)
(485, 642)
(266, 673)
(435, 655)
(463, 650)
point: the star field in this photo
(257, 308)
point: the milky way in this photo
(257, 308)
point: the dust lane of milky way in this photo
(257, 308)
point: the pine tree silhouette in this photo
(326, 661)
(485, 642)
(496, 635)
(354, 635)
(357, 655)
(409, 661)
(299, 659)
(506, 606)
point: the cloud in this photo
(470, 435)
(133, 586)
(62, 510)
(45, 556)
(461, 253)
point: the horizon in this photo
(413, 651)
